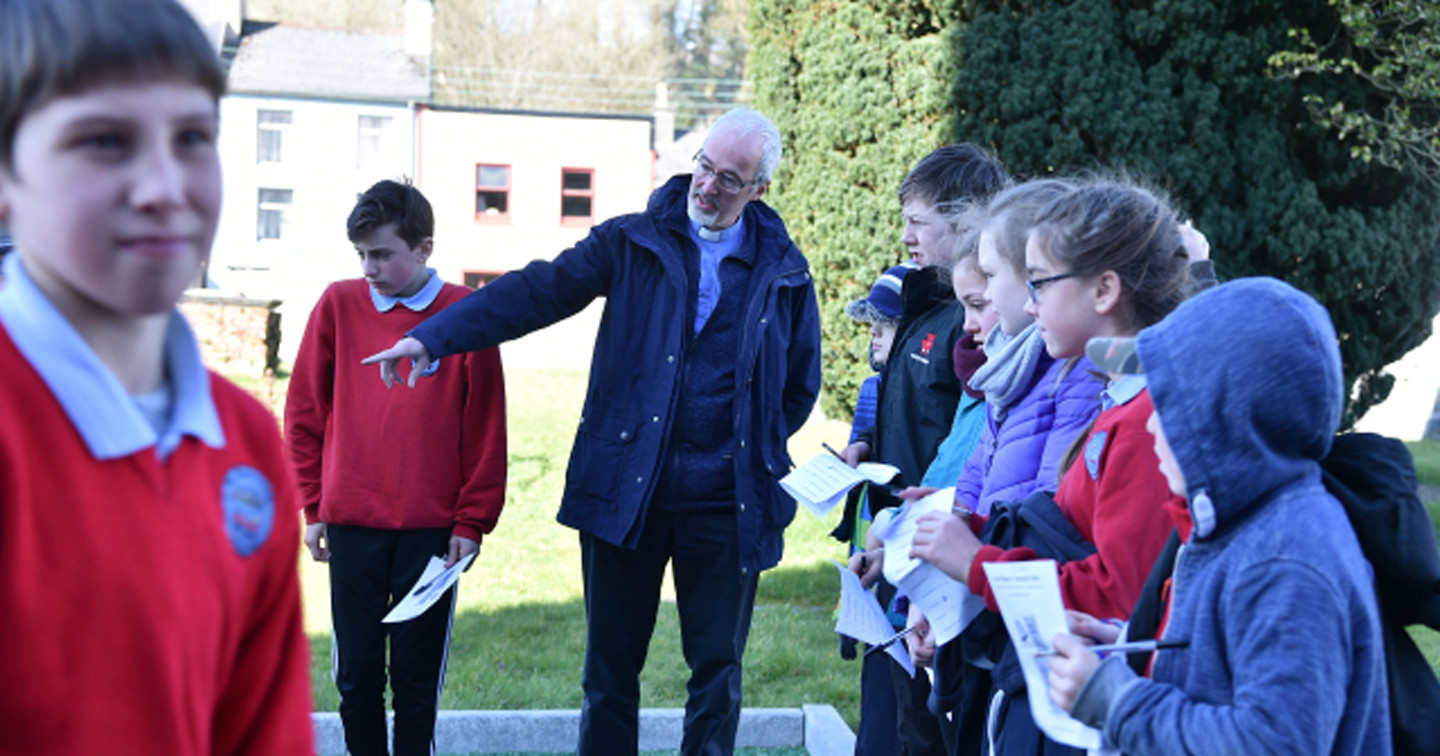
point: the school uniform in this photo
(393, 473)
(147, 577)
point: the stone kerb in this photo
(820, 729)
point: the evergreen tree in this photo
(860, 91)
(1179, 93)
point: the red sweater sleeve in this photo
(308, 402)
(1119, 508)
(483, 450)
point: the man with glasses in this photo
(707, 360)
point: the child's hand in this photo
(1070, 667)
(461, 547)
(1197, 247)
(920, 642)
(1089, 628)
(390, 361)
(318, 541)
(915, 493)
(855, 453)
(867, 564)
(946, 541)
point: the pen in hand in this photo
(882, 645)
(1133, 647)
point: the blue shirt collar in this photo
(102, 411)
(1121, 391)
(416, 302)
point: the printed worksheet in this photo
(821, 483)
(861, 617)
(948, 605)
(1029, 597)
(433, 583)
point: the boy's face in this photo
(391, 265)
(882, 335)
(927, 234)
(114, 194)
(1004, 288)
(1169, 467)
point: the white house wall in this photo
(319, 157)
(537, 148)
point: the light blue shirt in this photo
(416, 302)
(1120, 392)
(714, 247)
(104, 414)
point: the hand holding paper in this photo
(1029, 597)
(861, 618)
(821, 483)
(433, 582)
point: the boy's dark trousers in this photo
(370, 571)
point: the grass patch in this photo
(519, 633)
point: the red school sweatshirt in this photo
(132, 622)
(401, 458)
(1114, 495)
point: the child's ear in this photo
(1107, 292)
(426, 247)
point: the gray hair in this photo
(745, 122)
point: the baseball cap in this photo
(883, 301)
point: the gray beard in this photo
(701, 217)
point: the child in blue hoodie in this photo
(1271, 595)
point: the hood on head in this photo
(1247, 381)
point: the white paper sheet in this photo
(861, 617)
(821, 483)
(1029, 597)
(433, 583)
(948, 605)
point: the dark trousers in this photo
(878, 733)
(370, 571)
(622, 595)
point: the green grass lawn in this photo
(1427, 467)
(520, 628)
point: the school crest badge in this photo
(1093, 449)
(248, 505)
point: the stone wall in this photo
(238, 336)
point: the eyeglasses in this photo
(1034, 284)
(728, 182)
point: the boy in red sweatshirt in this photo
(147, 521)
(390, 479)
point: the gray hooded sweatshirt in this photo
(1272, 592)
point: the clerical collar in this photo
(702, 233)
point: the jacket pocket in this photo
(600, 457)
(781, 506)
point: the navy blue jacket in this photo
(636, 262)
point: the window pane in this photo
(267, 224)
(267, 146)
(575, 207)
(492, 202)
(274, 116)
(493, 176)
(576, 180)
(276, 196)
